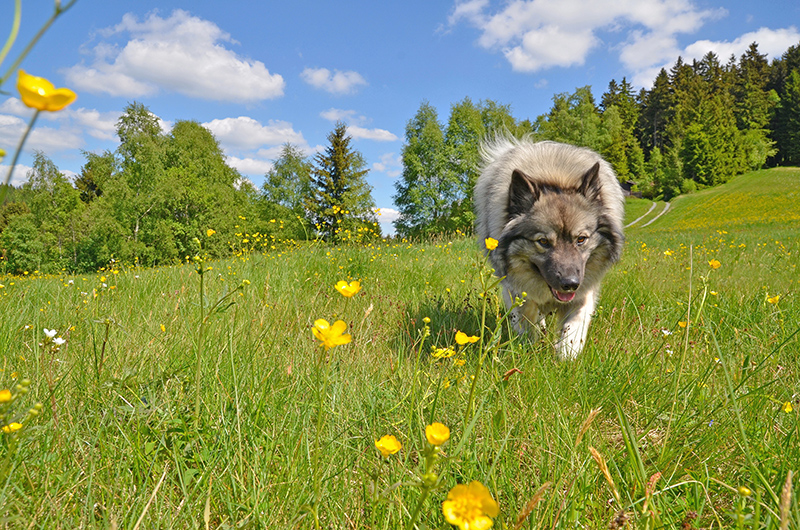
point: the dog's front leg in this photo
(574, 327)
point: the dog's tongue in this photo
(563, 297)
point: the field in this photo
(172, 399)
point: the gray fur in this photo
(557, 212)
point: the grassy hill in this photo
(184, 400)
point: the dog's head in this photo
(554, 234)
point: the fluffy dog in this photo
(556, 211)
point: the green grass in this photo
(287, 431)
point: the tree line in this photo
(697, 126)
(151, 200)
(157, 196)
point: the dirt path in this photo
(666, 207)
(642, 217)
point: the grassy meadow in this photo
(171, 399)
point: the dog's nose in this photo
(570, 284)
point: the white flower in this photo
(666, 332)
(71, 282)
(50, 333)
(58, 341)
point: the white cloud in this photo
(246, 133)
(772, 42)
(181, 53)
(379, 135)
(336, 82)
(355, 125)
(100, 125)
(390, 164)
(18, 177)
(42, 138)
(249, 166)
(535, 35)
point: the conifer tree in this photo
(341, 199)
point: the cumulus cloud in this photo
(390, 164)
(245, 133)
(18, 177)
(336, 82)
(388, 215)
(535, 35)
(250, 166)
(355, 125)
(770, 42)
(181, 53)
(41, 138)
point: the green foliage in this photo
(288, 183)
(341, 201)
(428, 186)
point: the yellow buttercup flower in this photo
(462, 338)
(39, 93)
(330, 335)
(388, 445)
(348, 289)
(12, 427)
(437, 434)
(787, 407)
(210, 232)
(5, 395)
(491, 243)
(442, 353)
(714, 264)
(470, 507)
(773, 299)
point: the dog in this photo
(556, 211)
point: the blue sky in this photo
(260, 74)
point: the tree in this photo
(465, 130)
(288, 183)
(96, 171)
(787, 122)
(341, 199)
(428, 187)
(55, 210)
(573, 119)
(136, 189)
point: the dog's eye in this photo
(543, 242)
(581, 240)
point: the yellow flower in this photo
(210, 232)
(331, 335)
(5, 396)
(39, 93)
(774, 299)
(787, 407)
(388, 445)
(744, 491)
(462, 338)
(443, 353)
(470, 507)
(348, 289)
(437, 434)
(12, 427)
(491, 243)
(714, 264)
(682, 324)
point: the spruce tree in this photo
(341, 199)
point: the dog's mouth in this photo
(563, 296)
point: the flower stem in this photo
(16, 156)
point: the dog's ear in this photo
(590, 183)
(522, 194)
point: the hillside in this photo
(767, 197)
